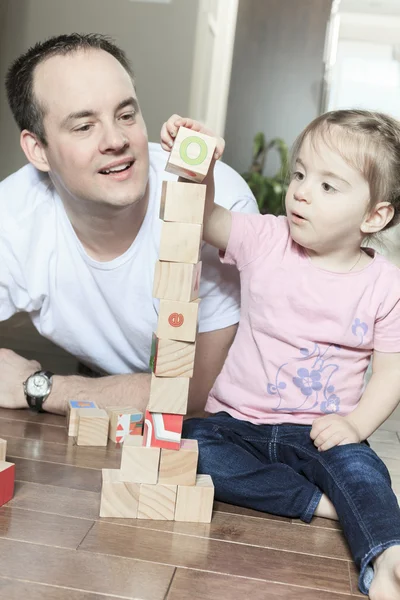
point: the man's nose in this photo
(113, 140)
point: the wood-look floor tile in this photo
(386, 450)
(41, 528)
(216, 556)
(11, 428)
(56, 500)
(254, 532)
(198, 585)
(12, 589)
(319, 522)
(354, 581)
(70, 454)
(60, 475)
(240, 510)
(33, 417)
(85, 571)
(383, 436)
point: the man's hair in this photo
(369, 142)
(27, 110)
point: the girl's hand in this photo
(170, 129)
(333, 430)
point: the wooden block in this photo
(92, 427)
(7, 479)
(119, 499)
(157, 502)
(162, 430)
(178, 320)
(180, 242)
(124, 421)
(194, 503)
(177, 281)
(3, 449)
(182, 202)
(170, 358)
(191, 154)
(179, 466)
(169, 395)
(72, 413)
(138, 463)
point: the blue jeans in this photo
(277, 469)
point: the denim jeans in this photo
(277, 469)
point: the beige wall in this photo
(158, 38)
(276, 73)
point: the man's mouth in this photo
(118, 168)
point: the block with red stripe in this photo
(162, 430)
(7, 478)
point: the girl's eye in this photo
(328, 188)
(298, 175)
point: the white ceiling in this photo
(382, 7)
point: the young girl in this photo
(290, 414)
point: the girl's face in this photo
(327, 200)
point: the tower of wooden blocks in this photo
(158, 475)
(7, 475)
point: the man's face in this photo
(97, 141)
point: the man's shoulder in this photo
(22, 195)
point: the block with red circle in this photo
(178, 320)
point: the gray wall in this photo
(158, 38)
(276, 73)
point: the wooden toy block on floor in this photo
(7, 479)
(119, 499)
(72, 414)
(124, 421)
(177, 281)
(180, 242)
(162, 430)
(170, 358)
(169, 395)
(194, 503)
(3, 449)
(182, 202)
(191, 154)
(138, 463)
(178, 320)
(92, 427)
(157, 502)
(179, 466)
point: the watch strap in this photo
(36, 402)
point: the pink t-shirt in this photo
(305, 335)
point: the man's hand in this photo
(14, 370)
(333, 430)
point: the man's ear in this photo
(377, 218)
(34, 150)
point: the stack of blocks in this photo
(158, 475)
(7, 475)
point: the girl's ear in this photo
(34, 150)
(377, 218)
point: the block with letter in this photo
(191, 154)
(72, 413)
(157, 502)
(178, 320)
(180, 242)
(177, 281)
(138, 463)
(179, 466)
(7, 479)
(171, 358)
(3, 449)
(124, 421)
(119, 499)
(182, 202)
(194, 503)
(92, 427)
(162, 430)
(169, 395)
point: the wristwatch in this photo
(37, 389)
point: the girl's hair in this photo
(369, 142)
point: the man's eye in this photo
(128, 116)
(83, 128)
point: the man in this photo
(79, 231)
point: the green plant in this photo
(269, 191)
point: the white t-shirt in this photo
(103, 313)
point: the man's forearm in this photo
(114, 390)
(380, 398)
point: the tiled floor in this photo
(53, 546)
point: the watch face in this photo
(37, 386)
